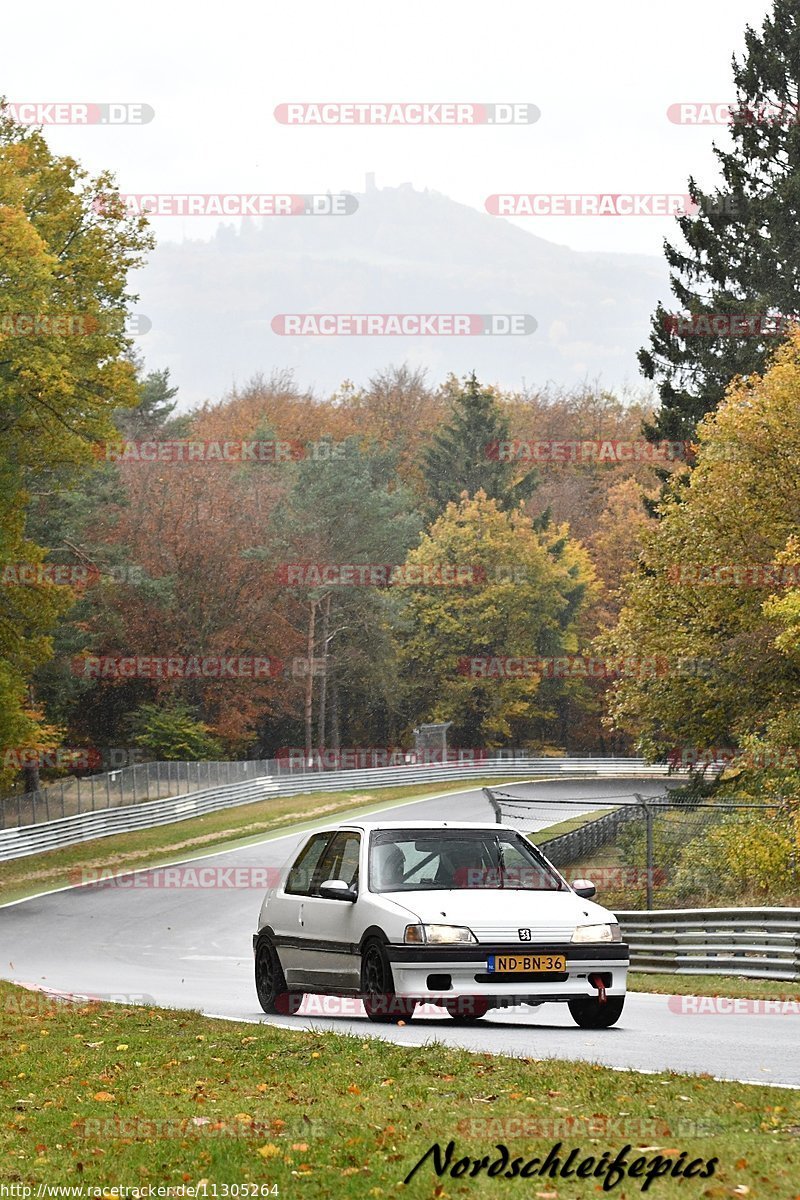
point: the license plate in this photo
(525, 964)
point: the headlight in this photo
(438, 934)
(598, 933)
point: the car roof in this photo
(371, 826)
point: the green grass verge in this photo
(101, 1096)
(541, 836)
(713, 985)
(207, 834)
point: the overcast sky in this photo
(603, 76)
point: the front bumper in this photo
(421, 972)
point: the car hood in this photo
(501, 912)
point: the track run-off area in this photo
(191, 948)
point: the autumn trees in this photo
(719, 584)
(520, 600)
(66, 248)
(188, 557)
(181, 554)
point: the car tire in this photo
(465, 1010)
(273, 994)
(377, 988)
(589, 1013)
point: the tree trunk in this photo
(309, 706)
(323, 686)
(30, 773)
(335, 737)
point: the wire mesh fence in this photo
(667, 852)
(146, 781)
(135, 784)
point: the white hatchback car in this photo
(466, 916)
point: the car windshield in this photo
(417, 860)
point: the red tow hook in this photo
(597, 981)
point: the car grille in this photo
(509, 933)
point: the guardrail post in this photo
(495, 806)
(648, 816)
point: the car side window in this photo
(304, 867)
(340, 861)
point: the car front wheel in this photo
(377, 988)
(591, 1014)
(273, 994)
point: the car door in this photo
(285, 909)
(330, 960)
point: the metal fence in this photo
(578, 843)
(760, 943)
(23, 840)
(666, 852)
(144, 782)
(65, 830)
(136, 784)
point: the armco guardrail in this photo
(82, 827)
(761, 943)
(141, 783)
(21, 840)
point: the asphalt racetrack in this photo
(192, 948)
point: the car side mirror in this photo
(584, 888)
(337, 889)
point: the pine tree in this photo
(154, 412)
(464, 455)
(742, 253)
